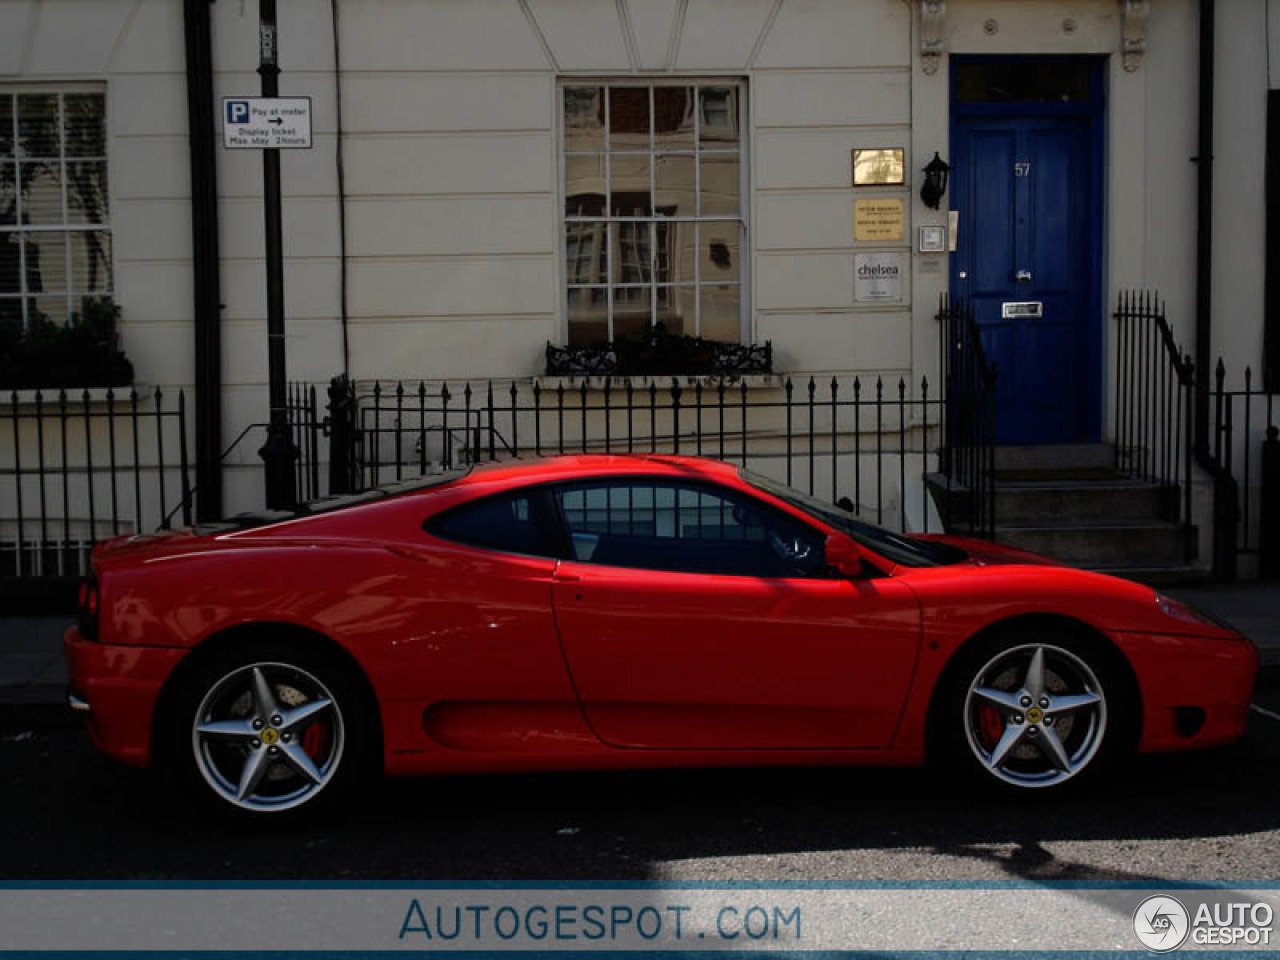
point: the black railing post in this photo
(342, 452)
(1269, 535)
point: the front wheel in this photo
(1033, 716)
(268, 729)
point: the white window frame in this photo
(25, 297)
(742, 151)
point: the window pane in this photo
(674, 185)
(584, 252)
(584, 185)
(6, 125)
(673, 118)
(677, 250)
(721, 316)
(11, 311)
(10, 263)
(52, 309)
(90, 261)
(720, 252)
(83, 120)
(41, 185)
(47, 262)
(629, 180)
(719, 115)
(588, 316)
(632, 310)
(1058, 80)
(629, 118)
(663, 526)
(8, 193)
(718, 192)
(675, 309)
(87, 191)
(498, 523)
(38, 125)
(632, 253)
(583, 118)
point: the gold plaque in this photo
(880, 167)
(878, 219)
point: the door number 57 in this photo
(1022, 168)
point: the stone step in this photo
(1101, 545)
(1058, 455)
(1026, 504)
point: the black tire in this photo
(255, 765)
(1009, 746)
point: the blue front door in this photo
(1025, 183)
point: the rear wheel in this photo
(273, 729)
(1033, 716)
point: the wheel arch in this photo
(1043, 623)
(244, 634)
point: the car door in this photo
(692, 616)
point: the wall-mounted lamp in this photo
(935, 181)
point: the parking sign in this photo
(266, 123)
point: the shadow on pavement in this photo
(72, 814)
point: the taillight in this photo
(87, 612)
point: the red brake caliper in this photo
(990, 722)
(314, 739)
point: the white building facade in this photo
(512, 173)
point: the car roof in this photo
(594, 465)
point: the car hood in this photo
(985, 553)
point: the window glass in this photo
(645, 168)
(679, 527)
(1016, 80)
(55, 237)
(504, 523)
(896, 547)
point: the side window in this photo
(678, 527)
(505, 523)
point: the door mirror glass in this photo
(843, 555)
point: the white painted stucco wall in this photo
(452, 169)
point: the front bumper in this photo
(115, 688)
(1195, 690)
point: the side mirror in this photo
(839, 552)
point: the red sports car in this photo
(606, 611)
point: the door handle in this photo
(1022, 276)
(567, 578)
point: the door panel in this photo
(1023, 192)
(686, 660)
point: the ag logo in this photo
(1161, 923)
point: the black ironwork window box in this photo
(658, 352)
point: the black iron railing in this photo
(79, 467)
(870, 442)
(967, 462)
(1155, 393)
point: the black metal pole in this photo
(204, 256)
(1204, 228)
(278, 453)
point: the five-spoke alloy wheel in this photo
(270, 730)
(1031, 715)
(1035, 715)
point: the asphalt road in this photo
(67, 813)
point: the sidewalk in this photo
(32, 671)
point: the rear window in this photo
(506, 523)
(265, 518)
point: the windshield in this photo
(904, 550)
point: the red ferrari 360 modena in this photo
(607, 612)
